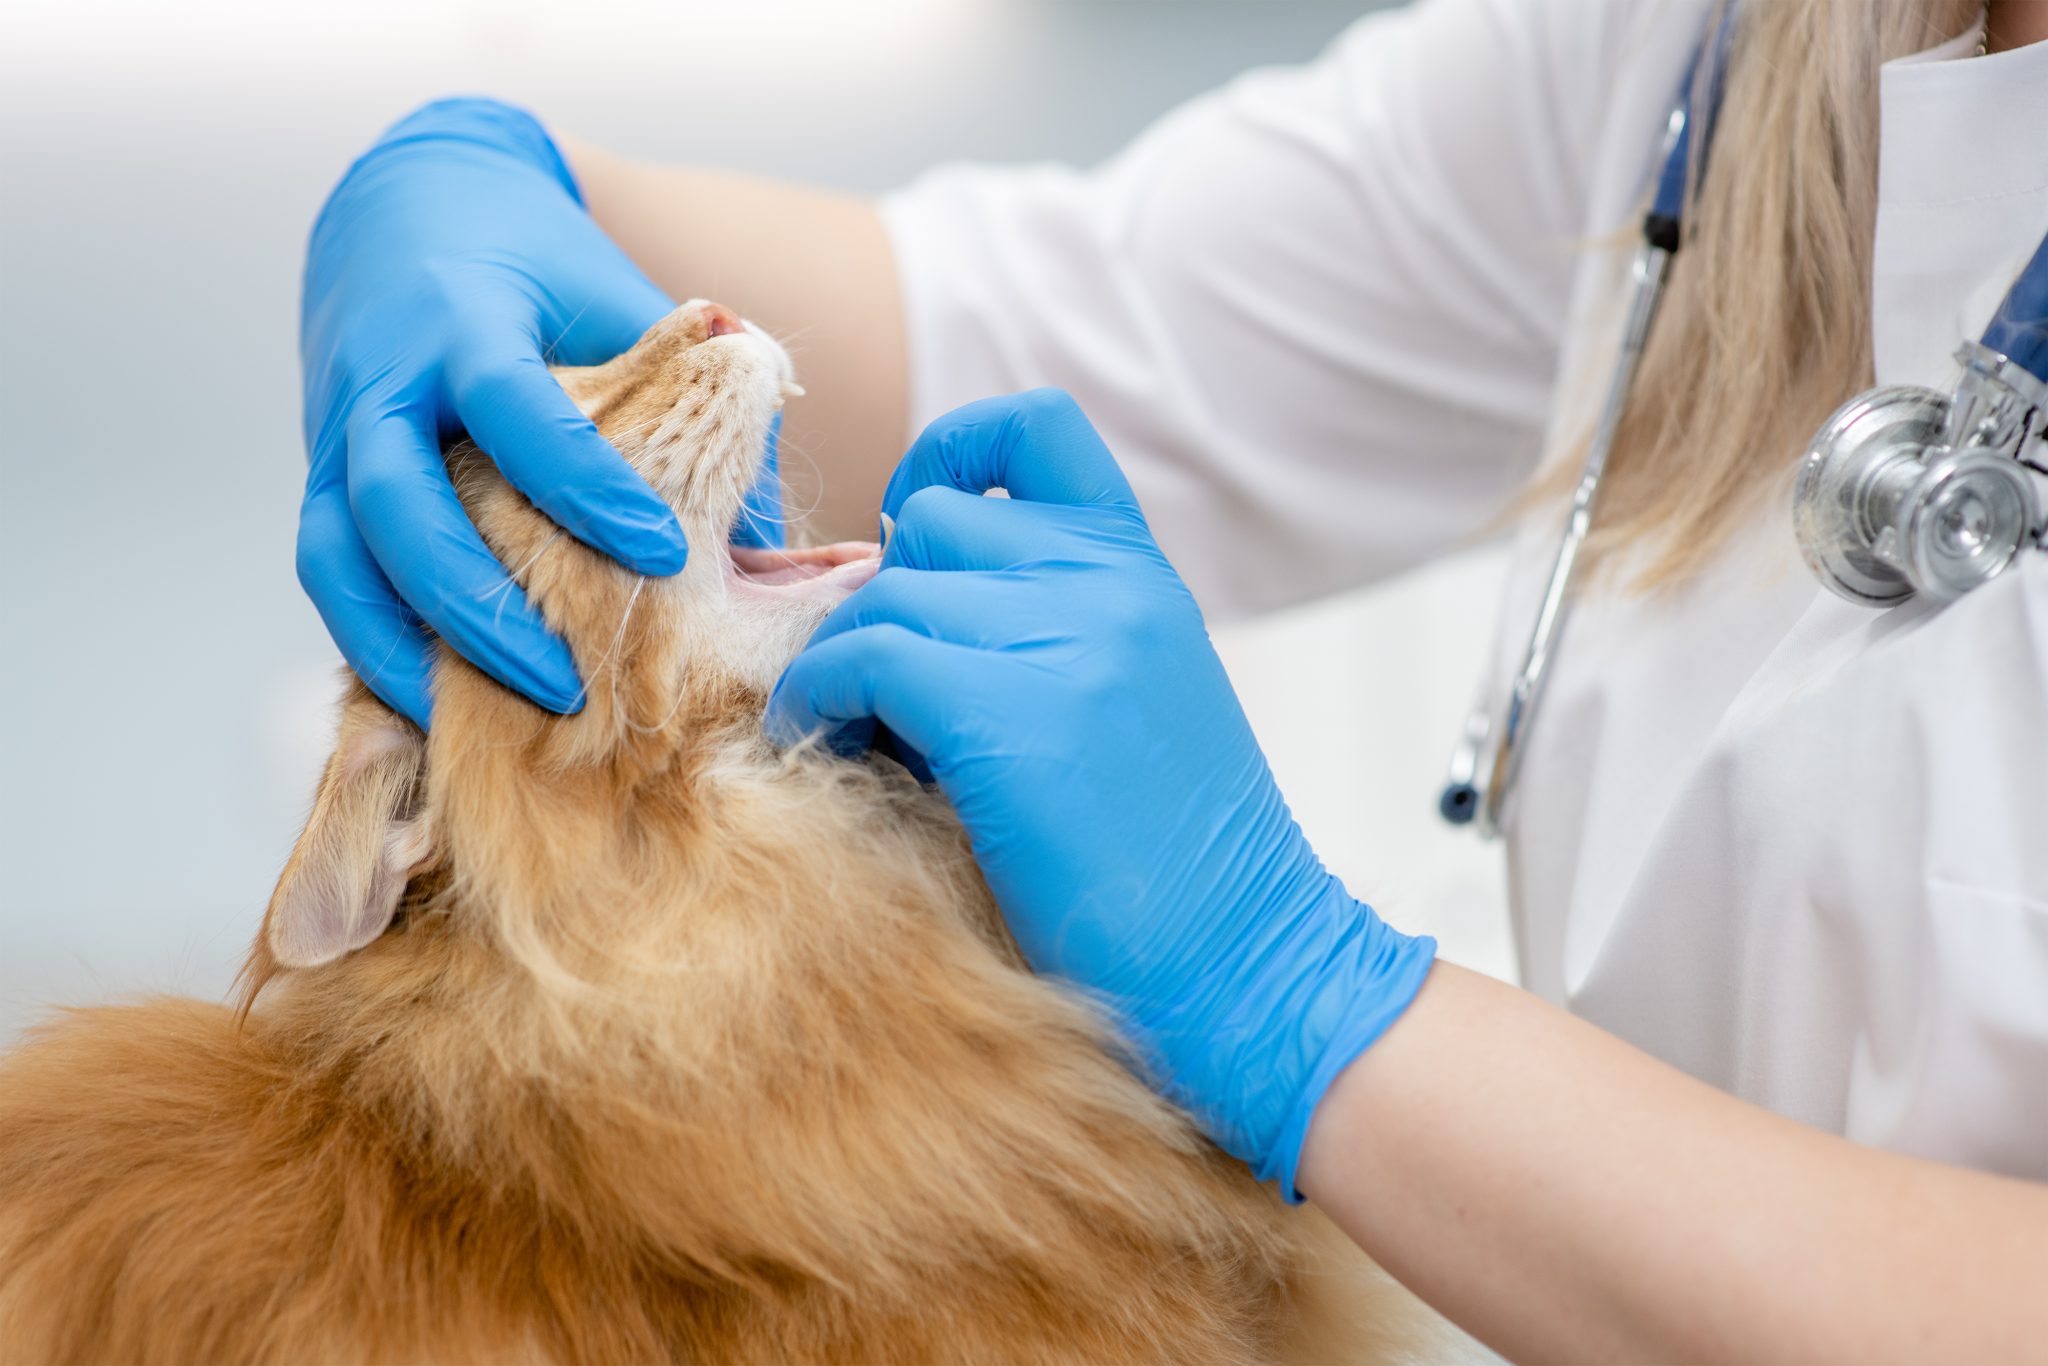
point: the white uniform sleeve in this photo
(1317, 313)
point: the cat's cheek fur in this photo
(622, 1036)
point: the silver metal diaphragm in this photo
(1884, 508)
(1861, 464)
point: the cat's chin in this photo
(773, 601)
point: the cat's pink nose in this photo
(720, 321)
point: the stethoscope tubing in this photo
(2003, 399)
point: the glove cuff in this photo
(486, 123)
(1346, 1010)
(1251, 1049)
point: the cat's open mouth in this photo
(828, 571)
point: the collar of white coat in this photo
(1962, 197)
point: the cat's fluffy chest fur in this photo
(623, 1036)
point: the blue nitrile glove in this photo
(450, 266)
(1047, 662)
(761, 522)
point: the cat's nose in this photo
(720, 321)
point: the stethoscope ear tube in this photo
(2019, 330)
(1484, 764)
(1465, 786)
(1482, 775)
(1905, 491)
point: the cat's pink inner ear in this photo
(342, 884)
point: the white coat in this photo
(1329, 317)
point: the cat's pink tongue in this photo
(833, 571)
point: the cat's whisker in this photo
(793, 345)
(534, 559)
(552, 348)
(813, 479)
(377, 669)
(682, 696)
(604, 661)
(615, 437)
(760, 523)
(502, 592)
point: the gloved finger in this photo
(910, 683)
(943, 528)
(960, 608)
(379, 637)
(613, 316)
(761, 522)
(1038, 445)
(415, 527)
(517, 413)
(884, 741)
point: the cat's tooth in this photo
(888, 530)
(791, 389)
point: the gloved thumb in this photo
(886, 673)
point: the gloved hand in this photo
(450, 266)
(1048, 664)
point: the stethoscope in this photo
(1905, 490)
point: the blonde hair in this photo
(1764, 327)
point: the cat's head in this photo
(510, 805)
(689, 406)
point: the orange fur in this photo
(659, 1043)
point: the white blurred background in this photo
(165, 686)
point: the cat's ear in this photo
(341, 886)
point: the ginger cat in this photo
(623, 1036)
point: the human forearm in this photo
(813, 267)
(1563, 1195)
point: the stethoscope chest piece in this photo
(1890, 502)
(1870, 447)
(1905, 491)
